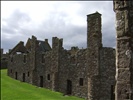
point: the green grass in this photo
(12, 89)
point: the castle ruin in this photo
(79, 72)
(88, 73)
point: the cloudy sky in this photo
(46, 19)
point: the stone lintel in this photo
(124, 52)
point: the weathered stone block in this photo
(123, 24)
(124, 53)
(123, 91)
(120, 15)
(124, 75)
(120, 4)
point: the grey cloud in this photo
(56, 25)
(108, 19)
(16, 20)
(11, 27)
(8, 43)
(109, 36)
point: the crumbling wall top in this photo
(122, 4)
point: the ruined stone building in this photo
(94, 73)
(87, 73)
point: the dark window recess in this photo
(28, 74)
(48, 76)
(11, 59)
(11, 70)
(24, 58)
(43, 60)
(81, 81)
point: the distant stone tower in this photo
(33, 60)
(124, 49)
(94, 43)
(56, 51)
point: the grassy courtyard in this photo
(15, 90)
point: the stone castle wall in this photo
(78, 72)
(107, 72)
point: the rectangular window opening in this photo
(28, 74)
(43, 60)
(81, 81)
(24, 58)
(48, 77)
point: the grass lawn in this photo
(15, 90)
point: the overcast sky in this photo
(46, 19)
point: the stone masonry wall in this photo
(47, 70)
(17, 68)
(107, 73)
(74, 67)
(124, 49)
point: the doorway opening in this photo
(41, 81)
(23, 77)
(16, 75)
(69, 87)
(112, 92)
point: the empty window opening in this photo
(81, 81)
(28, 74)
(24, 58)
(23, 77)
(43, 60)
(16, 75)
(69, 87)
(41, 81)
(112, 92)
(48, 77)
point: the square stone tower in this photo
(94, 44)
